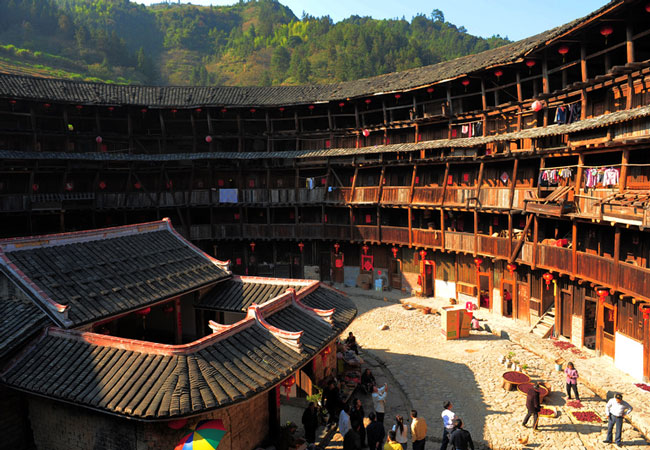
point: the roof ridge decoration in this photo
(289, 338)
(322, 314)
(271, 281)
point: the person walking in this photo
(352, 439)
(332, 399)
(344, 420)
(392, 444)
(401, 433)
(375, 433)
(418, 431)
(533, 405)
(379, 401)
(447, 422)
(571, 381)
(616, 409)
(356, 418)
(310, 422)
(460, 438)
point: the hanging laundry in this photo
(560, 115)
(454, 132)
(464, 129)
(309, 183)
(477, 129)
(610, 177)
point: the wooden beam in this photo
(545, 84)
(475, 233)
(520, 95)
(574, 246)
(514, 181)
(629, 44)
(535, 239)
(410, 217)
(521, 241)
(483, 96)
(510, 232)
(622, 184)
(617, 255)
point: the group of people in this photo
(357, 436)
(615, 410)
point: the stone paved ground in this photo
(431, 370)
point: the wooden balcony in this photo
(201, 232)
(283, 231)
(595, 268)
(427, 238)
(634, 279)
(309, 231)
(365, 233)
(395, 195)
(555, 258)
(316, 195)
(460, 242)
(395, 235)
(494, 198)
(337, 232)
(254, 195)
(282, 196)
(227, 231)
(460, 196)
(339, 195)
(493, 246)
(366, 195)
(201, 197)
(256, 231)
(427, 195)
(14, 202)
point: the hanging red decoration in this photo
(168, 309)
(398, 96)
(465, 82)
(69, 186)
(174, 111)
(498, 73)
(530, 63)
(143, 312)
(111, 108)
(143, 110)
(606, 30)
(368, 101)
(223, 110)
(423, 254)
(252, 244)
(252, 110)
(79, 107)
(365, 249)
(645, 310)
(341, 104)
(511, 268)
(137, 185)
(394, 250)
(563, 50)
(366, 133)
(286, 384)
(478, 261)
(537, 106)
(430, 90)
(13, 102)
(198, 110)
(102, 185)
(208, 139)
(647, 8)
(301, 246)
(281, 108)
(47, 105)
(311, 107)
(602, 292)
(98, 139)
(35, 187)
(548, 277)
(337, 246)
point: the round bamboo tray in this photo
(513, 378)
(525, 387)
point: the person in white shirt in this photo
(615, 410)
(379, 401)
(448, 417)
(344, 420)
(401, 432)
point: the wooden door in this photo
(507, 298)
(609, 330)
(523, 302)
(395, 273)
(337, 267)
(566, 307)
(427, 275)
(485, 290)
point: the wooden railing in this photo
(557, 258)
(283, 231)
(494, 246)
(14, 202)
(633, 279)
(201, 197)
(428, 195)
(366, 195)
(494, 197)
(461, 242)
(394, 195)
(282, 195)
(526, 254)
(459, 196)
(339, 195)
(341, 232)
(594, 267)
(395, 235)
(228, 231)
(427, 238)
(365, 233)
(254, 195)
(256, 231)
(198, 232)
(309, 231)
(316, 195)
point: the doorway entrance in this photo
(427, 277)
(565, 313)
(608, 340)
(507, 290)
(485, 290)
(395, 273)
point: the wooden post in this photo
(545, 84)
(629, 44)
(520, 242)
(412, 188)
(483, 96)
(269, 131)
(381, 190)
(574, 246)
(354, 183)
(514, 182)
(479, 182)
(475, 233)
(450, 106)
(509, 232)
(617, 254)
(630, 92)
(583, 91)
(542, 164)
(520, 95)
(535, 238)
(623, 177)
(240, 133)
(579, 175)
(410, 217)
(193, 122)
(210, 128)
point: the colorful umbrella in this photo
(206, 436)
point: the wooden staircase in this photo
(545, 324)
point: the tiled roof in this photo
(158, 382)
(20, 320)
(238, 293)
(85, 276)
(12, 86)
(531, 133)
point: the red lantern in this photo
(143, 110)
(35, 187)
(563, 50)
(530, 63)
(606, 30)
(252, 110)
(311, 107)
(143, 312)
(336, 248)
(111, 108)
(602, 292)
(208, 139)
(137, 185)
(341, 104)
(430, 90)
(366, 133)
(174, 111)
(423, 254)
(548, 277)
(368, 101)
(252, 244)
(498, 73)
(647, 8)
(102, 185)
(286, 384)
(98, 139)
(47, 105)
(536, 106)
(465, 82)
(478, 261)
(281, 108)
(223, 110)
(511, 268)
(301, 246)
(365, 249)
(394, 250)
(69, 186)
(79, 107)
(645, 310)
(398, 96)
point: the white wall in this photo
(628, 356)
(445, 289)
(497, 306)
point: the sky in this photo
(515, 19)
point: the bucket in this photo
(558, 367)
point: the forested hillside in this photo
(256, 42)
